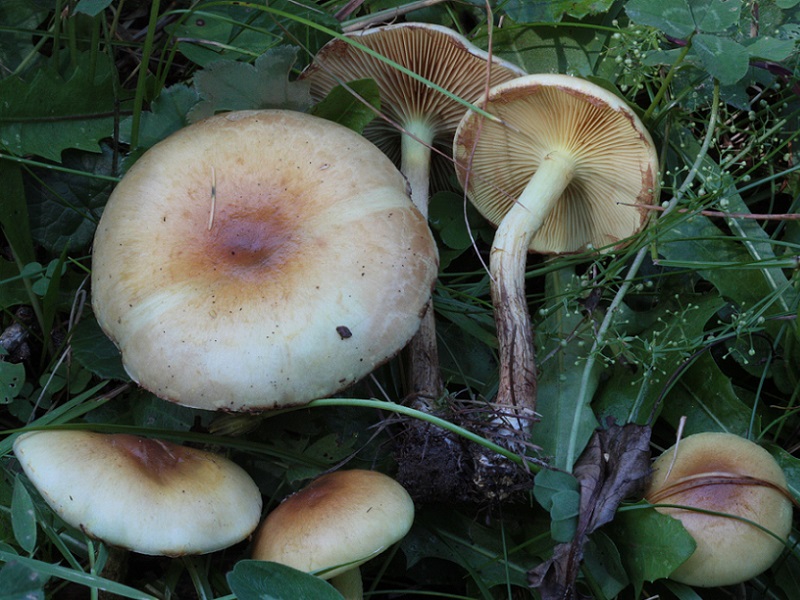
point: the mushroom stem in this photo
(349, 584)
(517, 385)
(425, 380)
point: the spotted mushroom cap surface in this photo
(341, 518)
(260, 259)
(728, 474)
(146, 495)
(616, 164)
(437, 54)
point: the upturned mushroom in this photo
(259, 259)
(417, 120)
(336, 523)
(146, 495)
(556, 172)
(724, 489)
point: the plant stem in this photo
(599, 340)
(517, 386)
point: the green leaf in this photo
(603, 562)
(558, 493)
(21, 582)
(723, 58)
(92, 7)
(561, 371)
(228, 85)
(652, 545)
(168, 113)
(51, 113)
(262, 580)
(673, 17)
(769, 48)
(354, 108)
(14, 212)
(552, 11)
(19, 19)
(95, 351)
(12, 287)
(12, 376)
(712, 16)
(23, 517)
(66, 206)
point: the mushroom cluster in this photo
(419, 116)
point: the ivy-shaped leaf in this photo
(168, 113)
(227, 85)
(263, 580)
(552, 11)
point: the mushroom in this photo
(745, 488)
(259, 259)
(336, 523)
(417, 118)
(146, 495)
(556, 171)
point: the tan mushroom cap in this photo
(341, 518)
(721, 472)
(150, 496)
(437, 54)
(614, 159)
(259, 259)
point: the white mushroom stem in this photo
(425, 380)
(516, 394)
(349, 584)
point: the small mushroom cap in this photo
(259, 259)
(436, 53)
(147, 495)
(341, 518)
(614, 156)
(711, 472)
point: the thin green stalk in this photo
(141, 82)
(666, 84)
(629, 278)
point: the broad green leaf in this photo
(92, 7)
(12, 376)
(769, 48)
(705, 396)
(21, 582)
(168, 113)
(561, 371)
(673, 17)
(790, 466)
(715, 15)
(65, 207)
(603, 561)
(562, 49)
(50, 113)
(23, 517)
(558, 493)
(652, 545)
(12, 286)
(354, 108)
(262, 580)
(95, 351)
(723, 58)
(552, 11)
(228, 85)
(14, 212)
(19, 19)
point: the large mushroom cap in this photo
(433, 52)
(727, 474)
(615, 162)
(260, 259)
(150, 496)
(341, 518)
